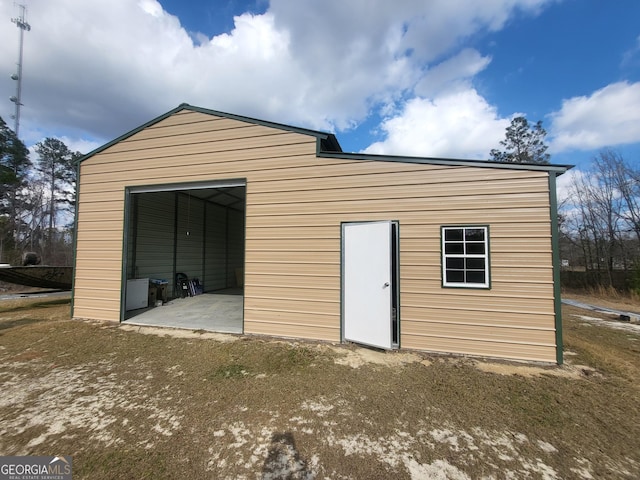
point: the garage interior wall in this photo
(172, 232)
(190, 237)
(215, 253)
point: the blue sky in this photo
(440, 78)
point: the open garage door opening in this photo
(184, 256)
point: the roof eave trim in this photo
(557, 169)
(265, 123)
(131, 133)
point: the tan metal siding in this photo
(141, 161)
(145, 141)
(524, 215)
(119, 154)
(297, 156)
(295, 235)
(295, 204)
(291, 324)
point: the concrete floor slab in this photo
(210, 311)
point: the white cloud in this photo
(565, 184)
(631, 57)
(452, 74)
(151, 7)
(358, 53)
(460, 124)
(608, 117)
(80, 145)
(102, 68)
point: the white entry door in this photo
(367, 283)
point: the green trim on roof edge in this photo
(328, 139)
(130, 133)
(327, 145)
(452, 162)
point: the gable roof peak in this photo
(326, 141)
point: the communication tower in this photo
(22, 24)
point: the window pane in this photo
(474, 263)
(474, 276)
(475, 248)
(453, 248)
(455, 276)
(465, 259)
(474, 234)
(455, 263)
(453, 234)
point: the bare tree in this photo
(627, 179)
(35, 215)
(603, 216)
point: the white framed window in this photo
(465, 256)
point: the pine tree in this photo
(57, 167)
(523, 143)
(14, 170)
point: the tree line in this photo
(599, 215)
(600, 223)
(37, 199)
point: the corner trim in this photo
(555, 254)
(126, 217)
(75, 240)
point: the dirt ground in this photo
(130, 402)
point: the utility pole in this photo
(22, 24)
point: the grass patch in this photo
(233, 371)
(18, 322)
(23, 312)
(17, 305)
(610, 351)
(124, 463)
(288, 357)
(52, 302)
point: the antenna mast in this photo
(22, 25)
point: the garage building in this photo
(289, 236)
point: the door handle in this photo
(386, 284)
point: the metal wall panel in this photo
(122, 153)
(215, 275)
(190, 236)
(154, 237)
(235, 248)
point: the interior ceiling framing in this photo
(226, 193)
(229, 197)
